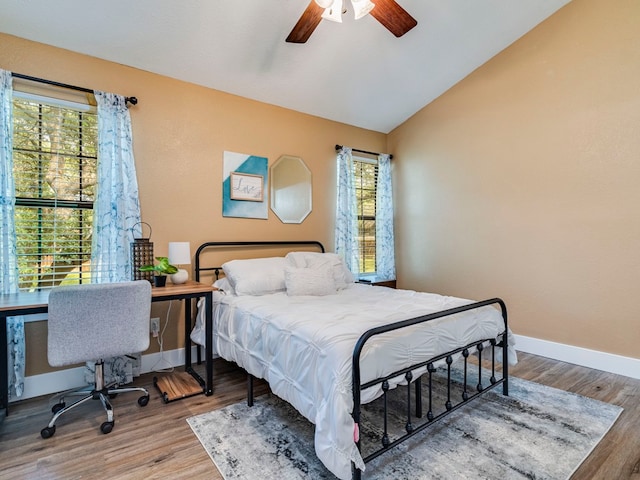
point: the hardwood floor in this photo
(156, 442)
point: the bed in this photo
(329, 345)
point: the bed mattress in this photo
(303, 346)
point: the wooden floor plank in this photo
(156, 442)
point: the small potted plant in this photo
(160, 271)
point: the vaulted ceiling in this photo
(355, 72)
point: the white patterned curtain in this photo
(346, 230)
(385, 243)
(8, 258)
(116, 211)
(116, 208)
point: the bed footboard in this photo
(457, 394)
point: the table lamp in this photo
(179, 254)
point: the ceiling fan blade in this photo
(306, 24)
(394, 18)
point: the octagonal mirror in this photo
(290, 189)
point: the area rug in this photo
(537, 432)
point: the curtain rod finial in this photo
(131, 100)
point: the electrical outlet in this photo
(154, 327)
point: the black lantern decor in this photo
(142, 254)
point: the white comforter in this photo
(303, 347)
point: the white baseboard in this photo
(61, 380)
(49, 383)
(607, 362)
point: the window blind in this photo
(55, 166)
(366, 180)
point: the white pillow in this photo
(256, 276)
(309, 281)
(341, 274)
(224, 285)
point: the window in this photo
(54, 167)
(365, 181)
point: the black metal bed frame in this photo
(449, 406)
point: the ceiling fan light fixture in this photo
(334, 12)
(361, 8)
(324, 3)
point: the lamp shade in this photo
(334, 12)
(361, 8)
(179, 253)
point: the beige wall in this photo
(180, 133)
(522, 182)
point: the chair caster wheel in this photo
(143, 401)
(106, 427)
(57, 407)
(48, 432)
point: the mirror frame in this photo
(277, 193)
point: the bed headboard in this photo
(257, 247)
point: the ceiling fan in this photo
(391, 15)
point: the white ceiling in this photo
(355, 72)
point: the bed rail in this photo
(449, 407)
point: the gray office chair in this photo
(92, 322)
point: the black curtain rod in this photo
(131, 100)
(339, 147)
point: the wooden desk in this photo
(29, 303)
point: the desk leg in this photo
(188, 326)
(208, 330)
(187, 346)
(4, 365)
(187, 333)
